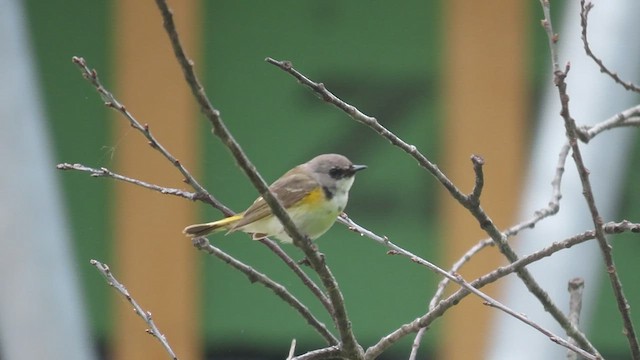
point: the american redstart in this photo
(313, 193)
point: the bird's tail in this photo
(197, 230)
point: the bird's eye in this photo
(335, 172)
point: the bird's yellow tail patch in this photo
(207, 228)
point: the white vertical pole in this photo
(613, 35)
(41, 311)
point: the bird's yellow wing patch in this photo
(291, 189)
(314, 197)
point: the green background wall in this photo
(382, 57)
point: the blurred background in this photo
(453, 78)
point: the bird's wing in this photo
(289, 189)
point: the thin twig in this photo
(605, 247)
(442, 285)
(587, 191)
(104, 172)
(281, 291)
(331, 352)
(292, 350)
(478, 163)
(349, 343)
(496, 304)
(585, 9)
(553, 206)
(145, 315)
(629, 117)
(553, 337)
(306, 280)
(91, 75)
(475, 194)
(417, 341)
(609, 228)
(576, 286)
(551, 36)
(456, 267)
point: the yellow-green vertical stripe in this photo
(486, 111)
(153, 258)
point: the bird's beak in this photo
(356, 168)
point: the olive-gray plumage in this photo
(313, 193)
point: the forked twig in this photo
(292, 350)
(253, 275)
(104, 172)
(585, 9)
(91, 75)
(576, 286)
(587, 191)
(145, 315)
(629, 117)
(552, 208)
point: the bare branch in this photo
(551, 36)
(576, 286)
(104, 172)
(442, 285)
(417, 341)
(306, 280)
(554, 203)
(424, 321)
(496, 304)
(457, 266)
(350, 345)
(253, 275)
(478, 162)
(585, 9)
(583, 173)
(145, 315)
(331, 352)
(292, 350)
(553, 337)
(629, 117)
(91, 75)
(609, 228)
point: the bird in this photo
(313, 194)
